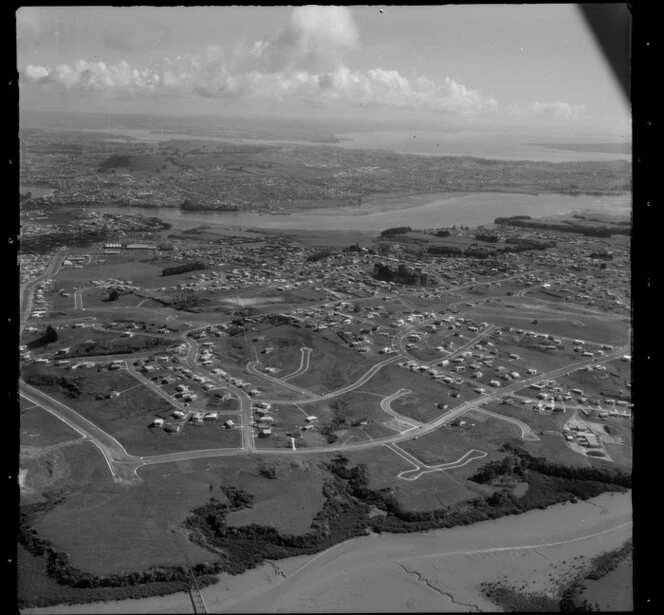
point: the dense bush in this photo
(50, 336)
(345, 514)
(70, 386)
(580, 479)
(397, 230)
(319, 255)
(525, 222)
(445, 250)
(195, 266)
(59, 567)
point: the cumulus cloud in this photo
(317, 38)
(553, 110)
(304, 62)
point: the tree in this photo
(113, 295)
(50, 335)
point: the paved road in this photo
(125, 465)
(121, 463)
(251, 368)
(156, 389)
(244, 399)
(27, 290)
(386, 406)
(526, 431)
(418, 471)
(304, 363)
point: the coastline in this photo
(380, 572)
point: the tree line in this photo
(601, 231)
(396, 230)
(345, 513)
(195, 266)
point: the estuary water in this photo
(418, 211)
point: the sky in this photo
(494, 66)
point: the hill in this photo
(139, 163)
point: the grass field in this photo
(532, 356)
(593, 328)
(622, 454)
(426, 493)
(62, 468)
(40, 428)
(127, 417)
(420, 404)
(98, 298)
(109, 528)
(332, 366)
(554, 448)
(611, 384)
(450, 443)
(288, 503)
(120, 267)
(551, 421)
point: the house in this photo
(229, 424)
(211, 415)
(158, 422)
(592, 441)
(309, 419)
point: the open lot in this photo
(611, 384)
(41, 428)
(288, 503)
(131, 525)
(333, 366)
(553, 447)
(426, 393)
(426, 493)
(593, 328)
(126, 266)
(538, 421)
(449, 443)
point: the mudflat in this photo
(432, 571)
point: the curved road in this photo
(304, 364)
(386, 406)
(526, 431)
(125, 465)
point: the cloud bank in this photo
(555, 110)
(304, 62)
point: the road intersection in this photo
(124, 466)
